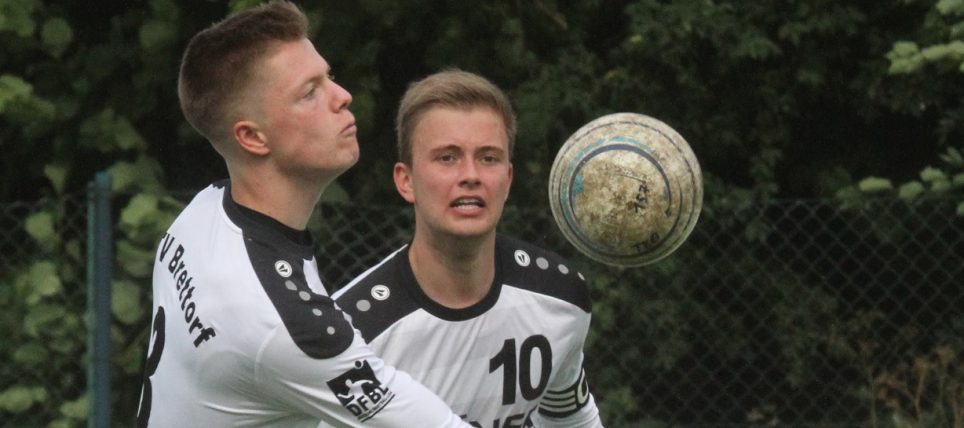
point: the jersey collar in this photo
(410, 284)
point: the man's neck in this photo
(456, 272)
(278, 198)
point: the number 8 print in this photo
(153, 359)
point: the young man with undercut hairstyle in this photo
(244, 333)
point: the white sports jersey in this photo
(497, 362)
(244, 334)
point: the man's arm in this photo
(567, 402)
(353, 388)
(571, 407)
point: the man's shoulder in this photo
(382, 273)
(378, 298)
(202, 206)
(536, 269)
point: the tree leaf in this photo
(952, 157)
(41, 315)
(30, 354)
(139, 207)
(13, 89)
(958, 180)
(756, 46)
(950, 7)
(126, 136)
(125, 302)
(940, 185)
(18, 399)
(42, 280)
(141, 175)
(40, 227)
(239, 5)
(165, 9)
(57, 175)
(874, 185)
(76, 409)
(905, 58)
(136, 261)
(109, 132)
(911, 190)
(931, 174)
(15, 16)
(157, 35)
(56, 35)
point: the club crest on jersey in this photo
(380, 292)
(360, 391)
(283, 268)
(522, 258)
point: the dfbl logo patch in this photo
(360, 392)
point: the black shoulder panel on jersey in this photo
(278, 254)
(312, 320)
(379, 299)
(545, 272)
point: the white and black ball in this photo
(626, 189)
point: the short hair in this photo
(449, 88)
(219, 63)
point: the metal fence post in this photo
(100, 258)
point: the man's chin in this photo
(472, 233)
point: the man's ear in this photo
(250, 139)
(403, 181)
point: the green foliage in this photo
(107, 132)
(79, 96)
(56, 174)
(15, 16)
(745, 82)
(934, 59)
(40, 227)
(17, 399)
(55, 36)
(12, 89)
(76, 410)
(874, 184)
(43, 327)
(127, 302)
(947, 180)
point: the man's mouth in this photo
(468, 203)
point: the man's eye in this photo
(490, 157)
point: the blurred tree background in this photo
(780, 100)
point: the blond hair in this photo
(449, 88)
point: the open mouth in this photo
(468, 203)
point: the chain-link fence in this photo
(42, 305)
(788, 313)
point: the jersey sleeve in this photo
(354, 388)
(572, 407)
(567, 402)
